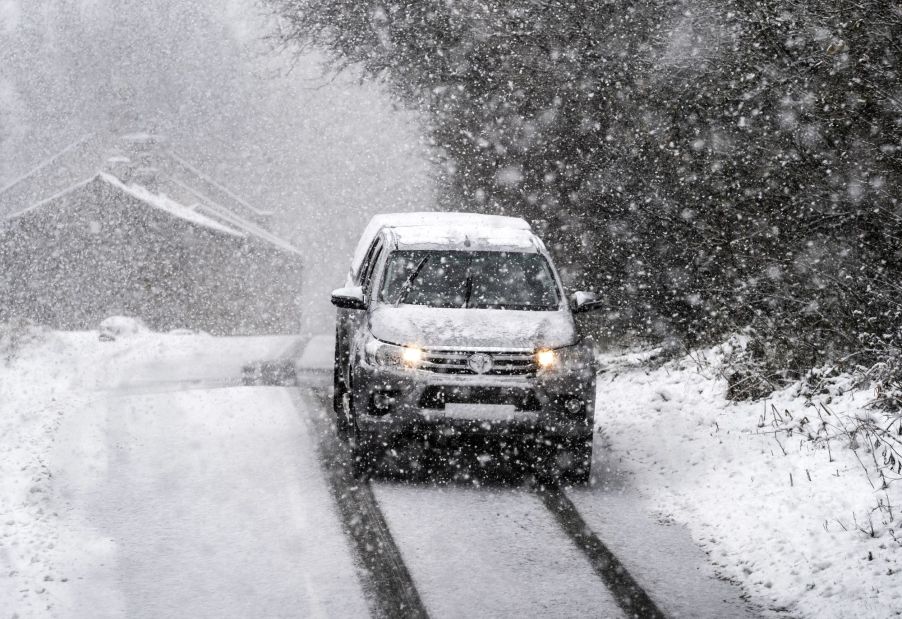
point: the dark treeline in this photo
(710, 166)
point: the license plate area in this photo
(517, 399)
(480, 412)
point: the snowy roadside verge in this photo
(48, 551)
(37, 382)
(787, 517)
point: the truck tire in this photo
(363, 452)
(340, 396)
(578, 466)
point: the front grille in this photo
(457, 362)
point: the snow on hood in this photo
(433, 327)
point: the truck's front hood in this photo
(472, 328)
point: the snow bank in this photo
(36, 387)
(121, 326)
(787, 517)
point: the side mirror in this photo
(349, 298)
(582, 301)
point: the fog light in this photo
(574, 406)
(383, 401)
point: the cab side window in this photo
(367, 261)
(369, 267)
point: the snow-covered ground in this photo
(490, 552)
(138, 478)
(659, 554)
(788, 526)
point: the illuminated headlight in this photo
(389, 355)
(568, 359)
(411, 356)
(547, 359)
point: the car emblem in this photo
(480, 363)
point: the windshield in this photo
(497, 280)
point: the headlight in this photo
(389, 355)
(411, 356)
(569, 359)
(547, 359)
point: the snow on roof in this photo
(225, 191)
(143, 137)
(219, 212)
(433, 222)
(50, 199)
(73, 165)
(43, 164)
(139, 193)
(76, 166)
(465, 237)
(172, 207)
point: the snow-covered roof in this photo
(157, 201)
(164, 203)
(465, 237)
(51, 198)
(75, 164)
(436, 224)
(175, 187)
(221, 194)
(216, 210)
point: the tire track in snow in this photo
(631, 597)
(390, 579)
(388, 582)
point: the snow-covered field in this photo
(793, 528)
(138, 478)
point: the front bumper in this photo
(396, 401)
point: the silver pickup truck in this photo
(457, 324)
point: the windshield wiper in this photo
(405, 289)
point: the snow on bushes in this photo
(790, 495)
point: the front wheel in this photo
(362, 449)
(338, 389)
(341, 395)
(565, 460)
(338, 382)
(575, 462)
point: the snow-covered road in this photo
(490, 552)
(173, 490)
(179, 496)
(214, 506)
